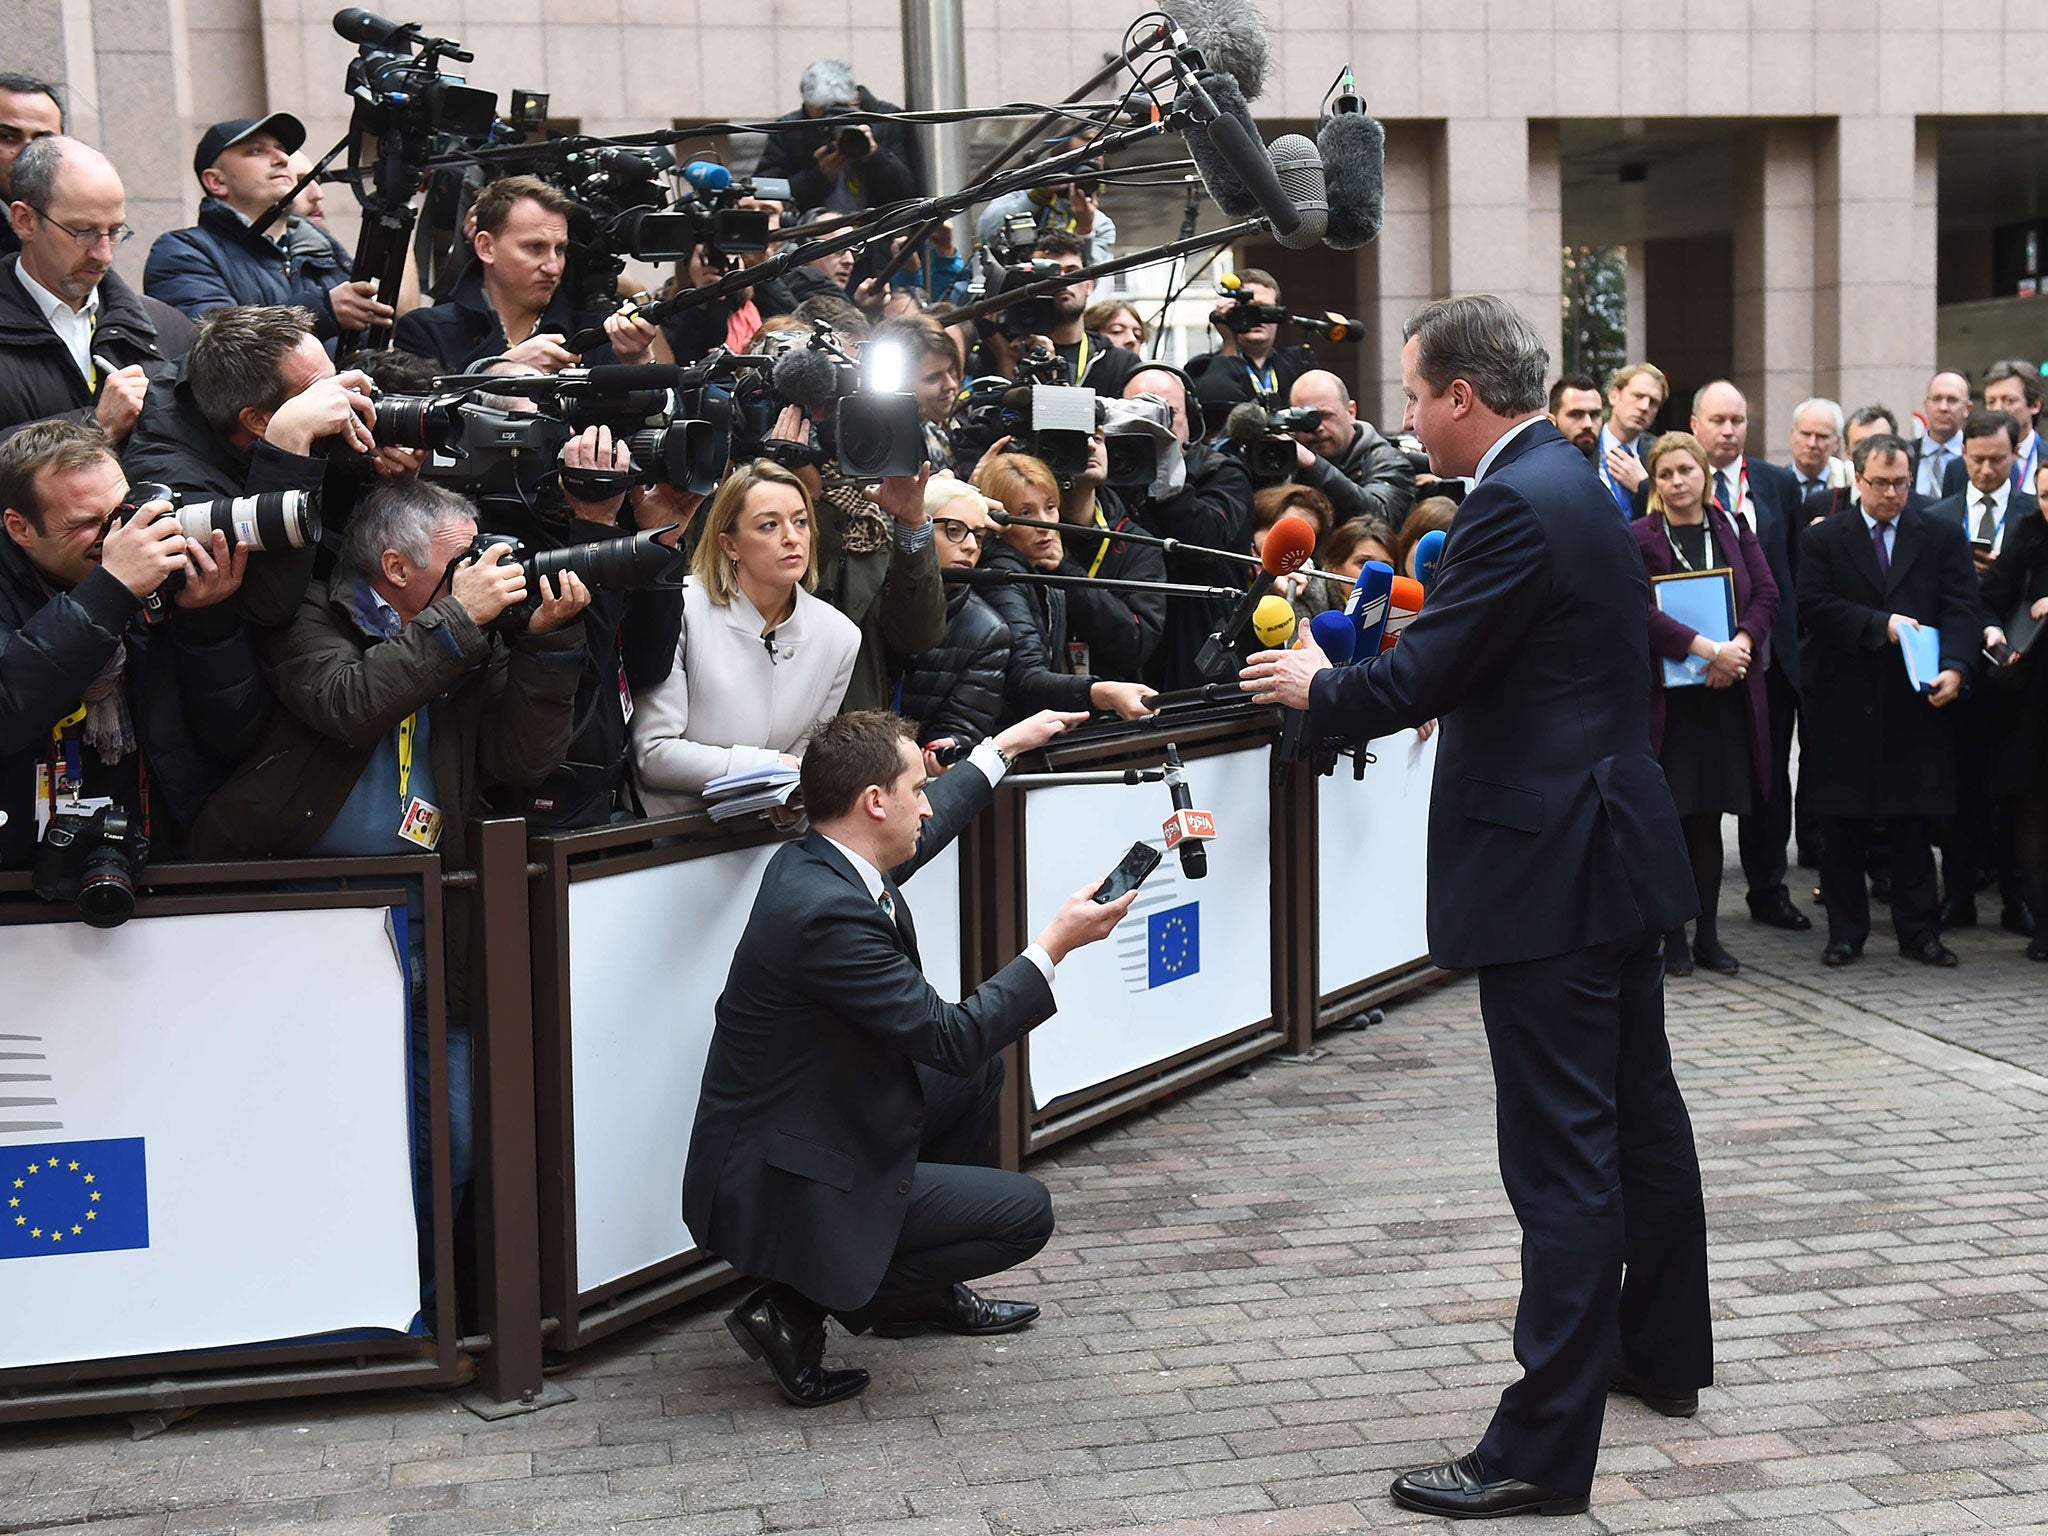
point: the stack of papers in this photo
(753, 791)
(1921, 649)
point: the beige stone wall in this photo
(1834, 229)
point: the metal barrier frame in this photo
(188, 1379)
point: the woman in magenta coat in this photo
(1714, 741)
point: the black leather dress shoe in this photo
(793, 1352)
(1462, 1491)
(1841, 954)
(1779, 912)
(1673, 1404)
(1715, 958)
(1959, 912)
(2018, 918)
(1929, 951)
(962, 1312)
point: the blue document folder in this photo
(1922, 650)
(1701, 600)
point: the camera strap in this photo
(594, 485)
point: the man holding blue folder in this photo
(1891, 625)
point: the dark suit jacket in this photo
(811, 1112)
(1775, 502)
(1960, 509)
(2020, 575)
(1756, 611)
(1874, 747)
(1955, 476)
(1550, 825)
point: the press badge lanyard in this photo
(1268, 386)
(1678, 554)
(1101, 545)
(419, 821)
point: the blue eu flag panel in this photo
(1173, 944)
(73, 1197)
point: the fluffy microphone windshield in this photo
(808, 378)
(1231, 36)
(1225, 187)
(1247, 422)
(1289, 543)
(1354, 151)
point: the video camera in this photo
(1265, 439)
(639, 562)
(398, 94)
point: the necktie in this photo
(1987, 519)
(888, 905)
(1721, 491)
(1884, 556)
(1939, 472)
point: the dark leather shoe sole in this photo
(1673, 1405)
(903, 1328)
(1718, 961)
(1839, 956)
(850, 1382)
(1930, 954)
(1453, 1506)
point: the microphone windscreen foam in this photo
(1300, 168)
(1225, 187)
(1247, 422)
(1354, 151)
(1334, 635)
(807, 378)
(1289, 543)
(1273, 621)
(1231, 35)
(1429, 549)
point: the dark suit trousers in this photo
(1766, 830)
(1596, 1152)
(1979, 836)
(965, 1219)
(1845, 846)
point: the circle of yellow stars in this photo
(1173, 965)
(56, 1233)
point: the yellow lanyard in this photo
(406, 727)
(92, 369)
(1081, 362)
(1101, 545)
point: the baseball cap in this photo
(285, 128)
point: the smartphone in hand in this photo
(1130, 874)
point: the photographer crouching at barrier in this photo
(759, 661)
(425, 671)
(243, 416)
(841, 1148)
(128, 687)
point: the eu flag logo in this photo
(73, 1197)
(1173, 944)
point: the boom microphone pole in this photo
(1153, 541)
(982, 576)
(1043, 286)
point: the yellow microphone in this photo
(1273, 621)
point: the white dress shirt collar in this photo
(1487, 458)
(870, 876)
(74, 327)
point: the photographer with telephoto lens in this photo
(113, 732)
(254, 409)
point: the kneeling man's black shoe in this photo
(961, 1311)
(793, 1351)
(1461, 1490)
(1669, 1401)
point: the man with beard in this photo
(1575, 411)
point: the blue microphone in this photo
(1429, 550)
(1334, 636)
(707, 176)
(1367, 608)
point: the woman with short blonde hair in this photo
(760, 662)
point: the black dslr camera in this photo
(92, 858)
(641, 561)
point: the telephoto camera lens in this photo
(403, 422)
(270, 520)
(641, 561)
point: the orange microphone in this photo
(1289, 544)
(1403, 603)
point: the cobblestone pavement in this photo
(1268, 1296)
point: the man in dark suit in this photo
(1636, 392)
(1981, 834)
(846, 1108)
(1882, 754)
(1766, 499)
(1555, 864)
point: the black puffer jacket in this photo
(1373, 479)
(193, 685)
(1037, 677)
(38, 380)
(220, 261)
(956, 688)
(1122, 630)
(1214, 509)
(172, 443)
